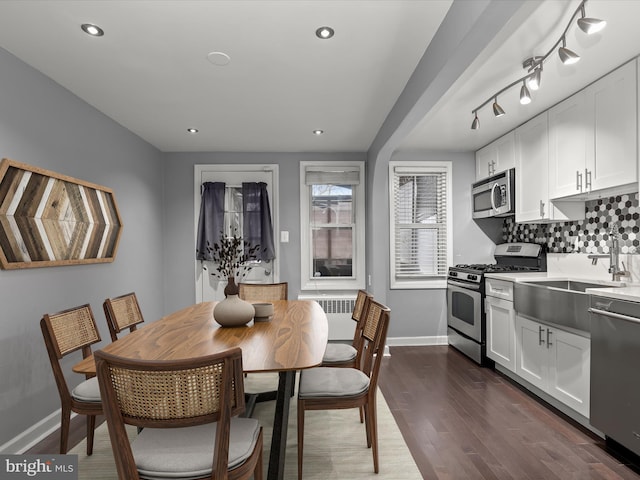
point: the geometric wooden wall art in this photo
(48, 219)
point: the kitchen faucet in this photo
(614, 257)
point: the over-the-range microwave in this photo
(494, 196)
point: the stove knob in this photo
(473, 277)
(453, 274)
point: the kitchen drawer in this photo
(499, 289)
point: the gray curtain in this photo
(211, 221)
(257, 226)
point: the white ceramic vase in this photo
(233, 312)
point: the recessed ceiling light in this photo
(91, 29)
(192, 130)
(318, 132)
(325, 33)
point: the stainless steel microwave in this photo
(494, 196)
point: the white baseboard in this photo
(416, 341)
(34, 434)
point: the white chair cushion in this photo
(87, 391)
(339, 353)
(332, 382)
(187, 452)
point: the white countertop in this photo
(517, 276)
(630, 293)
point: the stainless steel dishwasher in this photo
(615, 357)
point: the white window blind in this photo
(420, 223)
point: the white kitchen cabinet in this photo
(496, 157)
(500, 316)
(592, 138)
(554, 360)
(532, 177)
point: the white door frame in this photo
(199, 172)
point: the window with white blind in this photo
(332, 219)
(420, 225)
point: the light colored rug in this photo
(335, 444)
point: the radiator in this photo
(338, 310)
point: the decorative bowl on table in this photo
(264, 312)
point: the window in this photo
(332, 219)
(420, 226)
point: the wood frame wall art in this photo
(48, 219)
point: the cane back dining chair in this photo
(66, 332)
(342, 354)
(330, 388)
(188, 411)
(122, 312)
(263, 292)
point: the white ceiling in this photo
(150, 71)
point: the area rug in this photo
(335, 444)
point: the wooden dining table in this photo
(294, 339)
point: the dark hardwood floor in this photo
(462, 422)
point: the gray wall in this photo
(44, 125)
(179, 215)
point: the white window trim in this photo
(307, 282)
(419, 167)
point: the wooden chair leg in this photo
(257, 473)
(91, 426)
(300, 436)
(65, 422)
(361, 414)
(373, 419)
(367, 424)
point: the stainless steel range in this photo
(466, 294)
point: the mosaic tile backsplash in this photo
(590, 235)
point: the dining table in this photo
(293, 339)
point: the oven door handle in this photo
(466, 286)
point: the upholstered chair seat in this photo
(87, 391)
(185, 453)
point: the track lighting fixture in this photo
(533, 65)
(476, 122)
(533, 81)
(567, 56)
(497, 109)
(590, 25)
(525, 96)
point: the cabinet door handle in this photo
(541, 209)
(549, 332)
(587, 180)
(579, 180)
(540, 339)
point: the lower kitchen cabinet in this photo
(501, 328)
(555, 361)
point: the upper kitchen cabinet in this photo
(496, 157)
(593, 138)
(532, 177)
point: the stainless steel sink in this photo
(571, 285)
(561, 302)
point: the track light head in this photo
(590, 25)
(476, 122)
(533, 81)
(568, 57)
(497, 109)
(525, 96)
